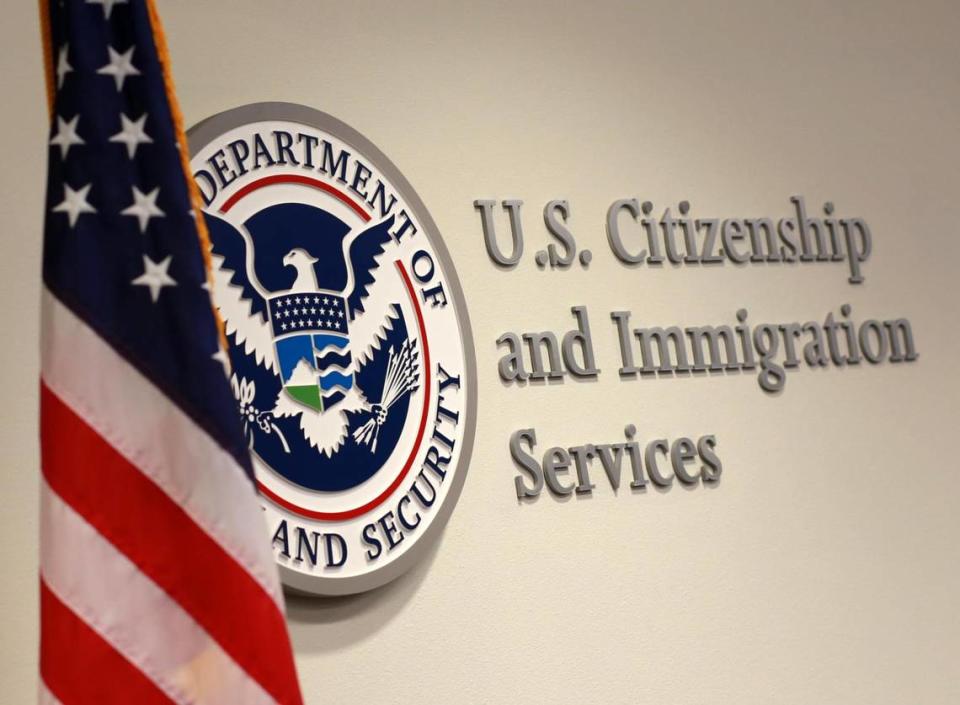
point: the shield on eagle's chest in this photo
(313, 347)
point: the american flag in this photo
(157, 581)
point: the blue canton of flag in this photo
(121, 238)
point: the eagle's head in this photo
(298, 257)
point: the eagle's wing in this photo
(372, 310)
(242, 306)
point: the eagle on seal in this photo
(314, 334)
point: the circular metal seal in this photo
(352, 358)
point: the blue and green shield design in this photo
(313, 347)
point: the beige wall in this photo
(825, 567)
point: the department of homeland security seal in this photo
(350, 347)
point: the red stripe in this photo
(294, 179)
(79, 666)
(379, 499)
(137, 517)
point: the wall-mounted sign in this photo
(652, 350)
(351, 353)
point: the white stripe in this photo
(45, 697)
(153, 434)
(137, 618)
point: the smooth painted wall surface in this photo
(824, 567)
